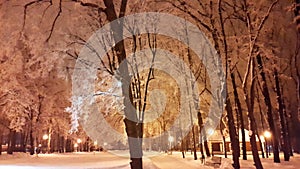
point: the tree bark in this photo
(224, 142)
(133, 129)
(49, 141)
(250, 106)
(183, 148)
(295, 116)
(260, 145)
(31, 140)
(1, 140)
(69, 145)
(240, 112)
(267, 100)
(12, 142)
(23, 142)
(233, 135)
(194, 143)
(297, 14)
(200, 123)
(284, 131)
(287, 127)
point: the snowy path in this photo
(64, 161)
(294, 163)
(106, 160)
(175, 161)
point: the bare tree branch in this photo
(26, 7)
(55, 20)
(253, 41)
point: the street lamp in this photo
(104, 146)
(95, 146)
(76, 147)
(210, 132)
(267, 134)
(45, 138)
(95, 143)
(79, 143)
(171, 139)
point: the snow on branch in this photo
(107, 94)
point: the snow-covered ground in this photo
(63, 161)
(107, 160)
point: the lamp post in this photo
(76, 147)
(79, 141)
(267, 135)
(171, 139)
(95, 146)
(104, 146)
(46, 143)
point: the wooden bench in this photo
(214, 161)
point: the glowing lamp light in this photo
(95, 143)
(210, 131)
(79, 141)
(171, 138)
(45, 137)
(267, 134)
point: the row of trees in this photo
(31, 103)
(244, 37)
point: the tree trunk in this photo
(233, 136)
(183, 148)
(194, 143)
(68, 145)
(31, 140)
(297, 14)
(295, 116)
(250, 107)
(12, 142)
(26, 139)
(264, 151)
(23, 142)
(222, 127)
(133, 128)
(260, 145)
(267, 100)
(1, 140)
(254, 149)
(287, 127)
(240, 113)
(62, 144)
(224, 143)
(200, 123)
(49, 141)
(207, 152)
(284, 131)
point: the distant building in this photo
(216, 142)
